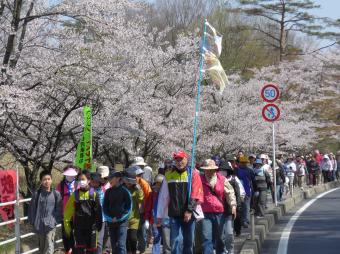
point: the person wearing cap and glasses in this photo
(117, 208)
(174, 201)
(219, 205)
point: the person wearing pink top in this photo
(66, 187)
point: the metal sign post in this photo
(271, 113)
(17, 215)
(274, 162)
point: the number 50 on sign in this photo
(270, 93)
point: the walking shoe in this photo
(245, 225)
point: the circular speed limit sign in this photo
(271, 112)
(270, 93)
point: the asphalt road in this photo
(316, 231)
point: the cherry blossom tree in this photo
(141, 88)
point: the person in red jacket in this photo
(219, 205)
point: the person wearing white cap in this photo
(147, 174)
(104, 171)
(66, 187)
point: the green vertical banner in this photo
(84, 148)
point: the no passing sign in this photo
(270, 93)
(271, 112)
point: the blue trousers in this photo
(213, 233)
(157, 238)
(179, 228)
(118, 235)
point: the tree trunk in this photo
(283, 38)
(10, 46)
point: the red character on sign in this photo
(7, 183)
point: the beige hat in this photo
(103, 171)
(209, 165)
(138, 161)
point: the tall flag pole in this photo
(84, 148)
(209, 63)
(197, 108)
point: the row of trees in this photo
(140, 85)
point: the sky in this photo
(329, 8)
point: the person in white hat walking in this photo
(147, 175)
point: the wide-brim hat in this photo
(138, 161)
(70, 172)
(209, 165)
(134, 170)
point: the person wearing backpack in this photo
(84, 211)
(66, 187)
(261, 182)
(219, 205)
(45, 213)
(232, 225)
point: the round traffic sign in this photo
(271, 112)
(270, 93)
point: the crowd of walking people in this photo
(173, 210)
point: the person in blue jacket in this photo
(117, 208)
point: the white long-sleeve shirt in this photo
(163, 201)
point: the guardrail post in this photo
(252, 224)
(17, 216)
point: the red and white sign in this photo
(270, 93)
(271, 112)
(8, 181)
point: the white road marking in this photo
(283, 245)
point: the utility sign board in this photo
(270, 93)
(271, 112)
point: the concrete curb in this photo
(264, 225)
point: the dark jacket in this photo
(174, 193)
(44, 211)
(262, 179)
(117, 204)
(280, 176)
